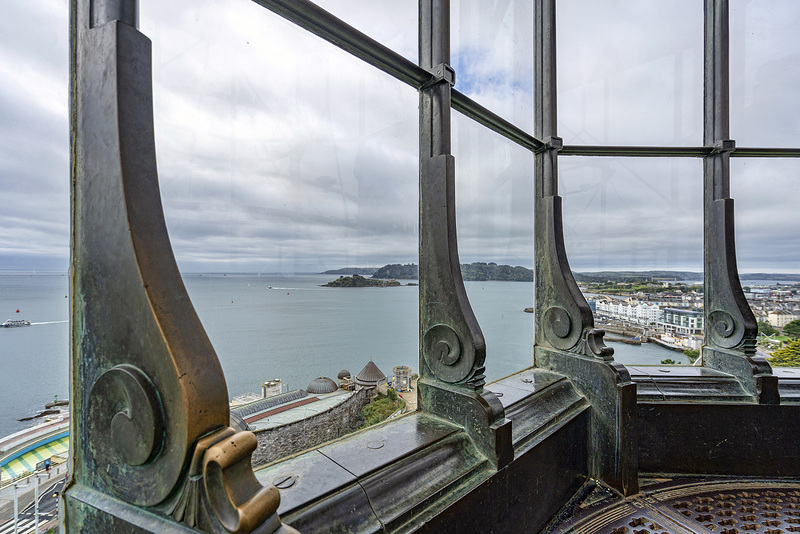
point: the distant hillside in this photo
(480, 271)
(636, 276)
(680, 276)
(770, 276)
(395, 271)
(360, 281)
(471, 272)
(363, 271)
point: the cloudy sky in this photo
(277, 152)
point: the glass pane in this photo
(765, 72)
(392, 23)
(630, 72)
(492, 53)
(34, 140)
(768, 244)
(633, 230)
(34, 210)
(766, 193)
(272, 175)
(494, 201)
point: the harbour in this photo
(296, 330)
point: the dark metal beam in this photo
(635, 151)
(755, 152)
(481, 115)
(323, 24)
(674, 151)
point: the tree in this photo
(669, 361)
(787, 356)
(766, 329)
(692, 355)
(792, 329)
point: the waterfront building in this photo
(270, 388)
(630, 310)
(685, 321)
(321, 386)
(345, 380)
(370, 377)
(401, 377)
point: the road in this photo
(48, 509)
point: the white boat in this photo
(14, 324)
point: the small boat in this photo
(14, 324)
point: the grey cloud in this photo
(279, 152)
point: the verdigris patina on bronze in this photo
(453, 349)
(565, 339)
(731, 328)
(151, 449)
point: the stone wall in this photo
(281, 441)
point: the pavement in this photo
(410, 397)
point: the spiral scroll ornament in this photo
(557, 327)
(126, 433)
(722, 329)
(445, 354)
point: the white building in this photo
(780, 318)
(630, 310)
(686, 321)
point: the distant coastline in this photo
(363, 271)
(359, 281)
(470, 272)
(490, 271)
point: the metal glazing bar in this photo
(483, 116)
(313, 18)
(675, 151)
(755, 152)
(717, 122)
(323, 24)
(545, 91)
(635, 151)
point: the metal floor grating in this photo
(694, 507)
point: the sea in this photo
(266, 326)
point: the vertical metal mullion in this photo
(730, 326)
(562, 312)
(716, 121)
(452, 345)
(565, 338)
(545, 105)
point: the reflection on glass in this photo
(766, 193)
(765, 72)
(492, 53)
(392, 23)
(272, 174)
(494, 209)
(630, 72)
(633, 230)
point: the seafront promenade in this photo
(22, 451)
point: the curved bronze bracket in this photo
(147, 386)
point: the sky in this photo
(278, 152)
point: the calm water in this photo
(295, 331)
